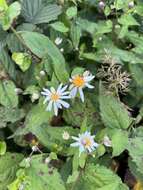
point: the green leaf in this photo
(113, 112)
(71, 12)
(11, 13)
(2, 148)
(52, 138)
(119, 142)
(127, 20)
(37, 116)
(135, 149)
(8, 96)
(41, 177)
(3, 4)
(41, 45)
(37, 12)
(23, 60)
(96, 177)
(137, 73)
(10, 115)
(60, 27)
(75, 34)
(78, 110)
(9, 164)
(8, 64)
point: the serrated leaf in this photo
(36, 12)
(119, 142)
(135, 149)
(98, 178)
(41, 45)
(113, 112)
(9, 164)
(10, 115)
(8, 96)
(41, 177)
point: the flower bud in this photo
(131, 5)
(66, 135)
(58, 41)
(18, 90)
(101, 5)
(42, 73)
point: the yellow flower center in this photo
(55, 97)
(78, 81)
(87, 142)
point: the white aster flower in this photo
(58, 41)
(85, 142)
(55, 98)
(78, 82)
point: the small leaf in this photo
(8, 96)
(71, 12)
(23, 60)
(60, 27)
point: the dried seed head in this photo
(113, 75)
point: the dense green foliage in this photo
(46, 43)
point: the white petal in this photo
(65, 104)
(95, 144)
(46, 100)
(49, 107)
(74, 144)
(73, 92)
(55, 109)
(59, 88)
(81, 149)
(65, 93)
(71, 86)
(45, 93)
(53, 90)
(81, 94)
(89, 85)
(75, 138)
(64, 88)
(59, 105)
(46, 90)
(89, 78)
(65, 97)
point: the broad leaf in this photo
(9, 164)
(42, 46)
(113, 112)
(8, 96)
(36, 12)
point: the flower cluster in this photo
(56, 97)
